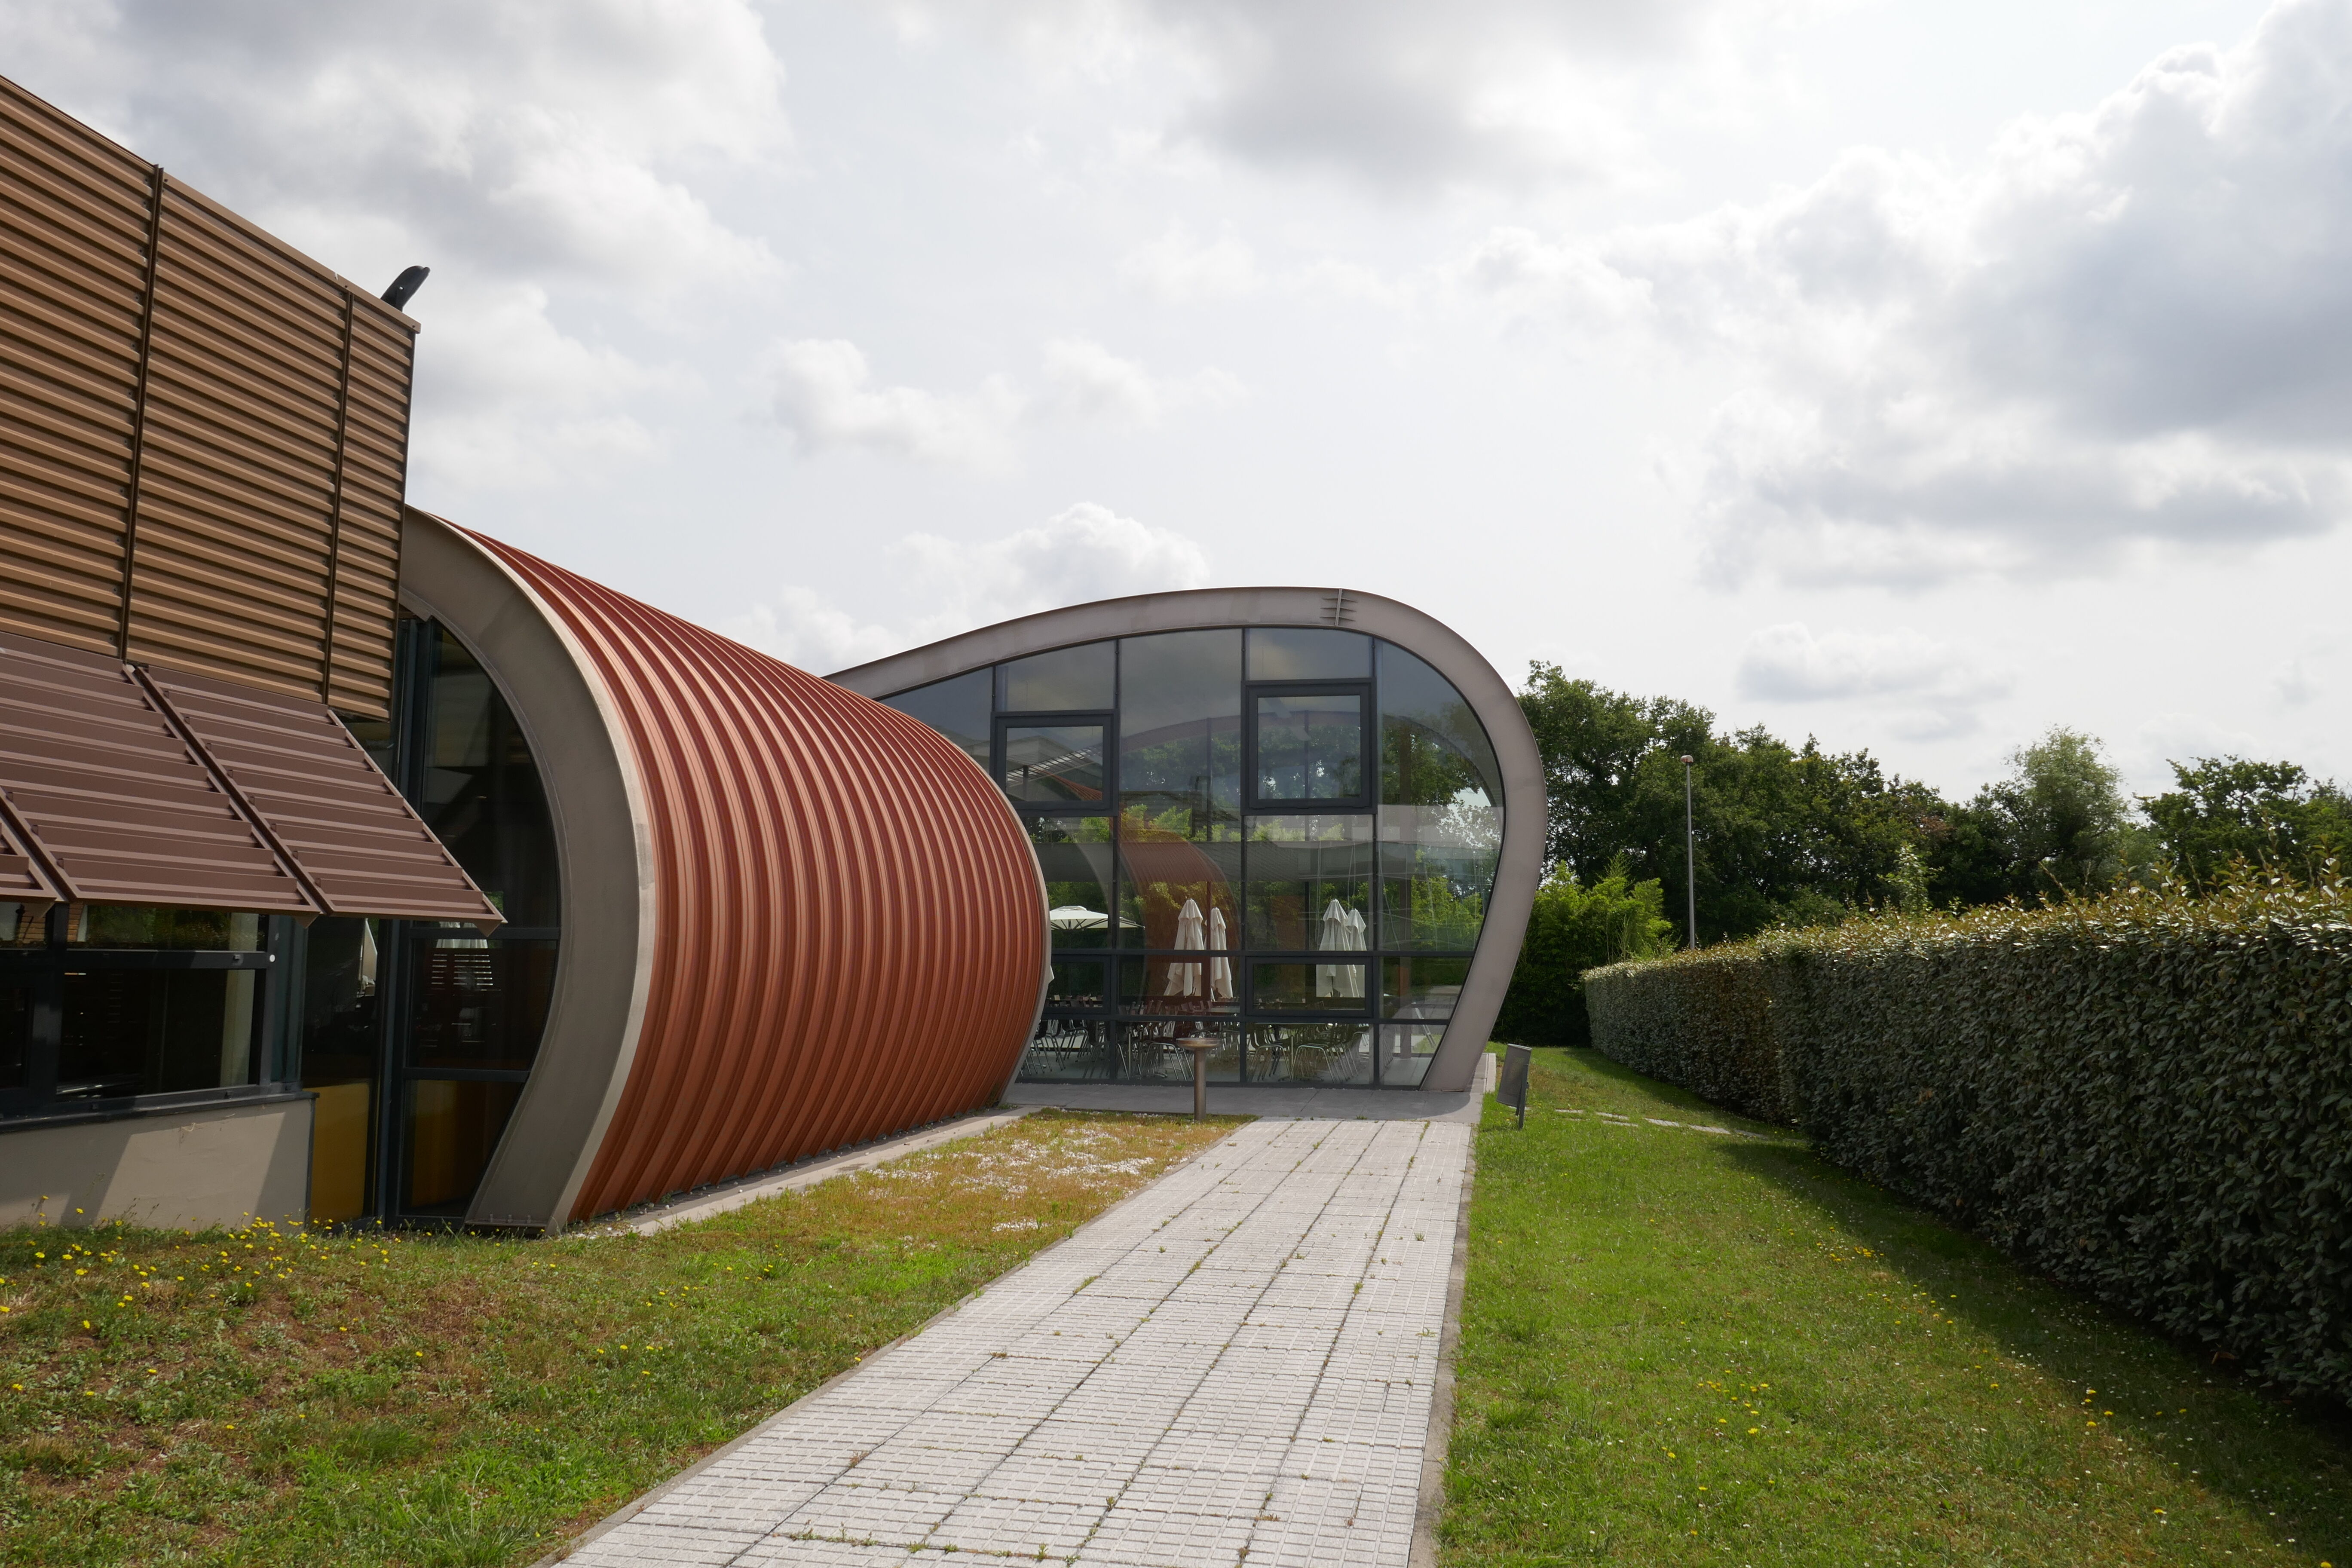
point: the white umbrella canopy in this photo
(1343, 932)
(1221, 970)
(1184, 979)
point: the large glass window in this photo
(1052, 765)
(1066, 680)
(957, 707)
(1306, 653)
(103, 1006)
(1180, 710)
(1075, 855)
(1277, 840)
(479, 789)
(1309, 746)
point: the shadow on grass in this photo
(2271, 1452)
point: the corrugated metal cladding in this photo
(128, 786)
(203, 433)
(849, 924)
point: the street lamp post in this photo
(1690, 853)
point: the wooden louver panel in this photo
(201, 451)
(73, 245)
(113, 801)
(325, 805)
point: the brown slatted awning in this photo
(113, 802)
(323, 802)
(21, 881)
(123, 785)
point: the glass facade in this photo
(112, 1008)
(1280, 840)
(418, 1038)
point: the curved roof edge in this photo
(596, 798)
(1524, 813)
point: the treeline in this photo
(1797, 836)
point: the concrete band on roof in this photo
(604, 962)
(793, 920)
(1519, 868)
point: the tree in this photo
(1571, 929)
(2228, 809)
(1785, 834)
(2068, 816)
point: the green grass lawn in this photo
(1689, 1347)
(399, 1397)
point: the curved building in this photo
(1305, 825)
(750, 916)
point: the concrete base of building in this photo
(184, 1169)
(1306, 1103)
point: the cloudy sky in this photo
(1915, 376)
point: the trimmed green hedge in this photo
(2147, 1096)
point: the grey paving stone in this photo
(1241, 1359)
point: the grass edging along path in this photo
(274, 1396)
(1684, 1346)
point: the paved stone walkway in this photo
(1237, 1362)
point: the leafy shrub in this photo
(1572, 928)
(2148, 1096)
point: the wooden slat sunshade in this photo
(123, 785)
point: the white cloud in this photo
(2293, 683)
(824, 397)
(1399, 95)
(2127, 325)
(1090, 382)
(1179, 269)
(1084, 553)
(1926, 687)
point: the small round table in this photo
(1199, 1047)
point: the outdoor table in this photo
(1200, 1048)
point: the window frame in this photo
(1368, 764)
(1108, 718)
(42, 970)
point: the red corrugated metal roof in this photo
(849, 924)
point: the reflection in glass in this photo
(482, 794)
(453, 1129)
(1422, 987)
(1405, 1053)
(956, 707)
(1068, 680)
(1074, 985)
(1172, 984)
(1179, 703)
(1053, 765)
(1075, 855)
(1310, 883)
(15, 1033)
(477, 1004)
(1163, 876)
(341, 1034)
(145, 925)
(1310, 1053)
(1281, 985)
(1437, 865)
(156, 1031)
(1433, 751)
(1071, 1050)
(1149, 1052)
(1300, 653)
(1310, 747)
(24, 925)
